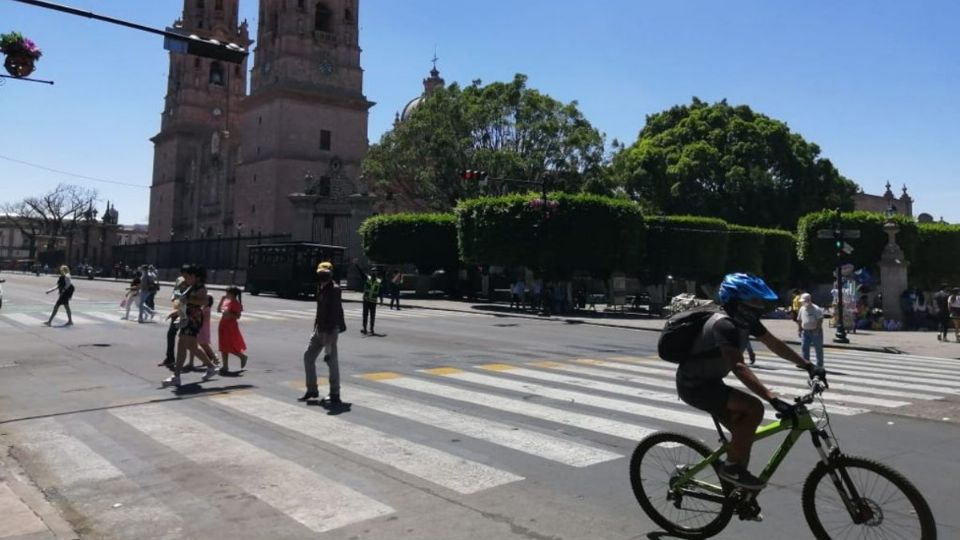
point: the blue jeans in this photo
(815, 338)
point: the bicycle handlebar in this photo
(817, 386)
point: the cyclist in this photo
(719, 350)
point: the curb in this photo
(34, 499)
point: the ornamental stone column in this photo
(893, 274)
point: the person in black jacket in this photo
(327, 326)
(65, 289)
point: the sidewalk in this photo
(25, 513)
(915, 343)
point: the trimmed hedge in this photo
(937, 257)
(688, 247)
(779, 250)
(428, 241)
(819, 255)
(744, 249)
(581, 232)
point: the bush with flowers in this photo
(21, 53)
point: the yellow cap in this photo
(324, 267)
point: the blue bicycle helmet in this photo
(744, 288)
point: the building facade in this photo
(283, 159)
(882, 203)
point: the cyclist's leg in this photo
(742, 416)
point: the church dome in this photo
(429, 85)
(410, 107)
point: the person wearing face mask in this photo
(327, 325)
(717, 351)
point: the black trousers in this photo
(369, 310)
(171, 342)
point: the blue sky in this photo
(876, 83)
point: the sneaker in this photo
(309, 395)
(211, 373)
(173, 380)
(739, 476)
(46, 323)
(243, 362)
(364, 331)
(224, 372)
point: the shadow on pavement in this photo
(195, 389)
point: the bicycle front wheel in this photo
(886, 504)
(697, 509)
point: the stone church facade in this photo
(285, 157)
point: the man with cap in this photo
(327, 326)
(810, 318)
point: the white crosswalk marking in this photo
(661, 413)
(75, 462)
(664, 383)
(103, 316)
(517, 406)
(788, 376)
(315, 501)
(82, 319)
(523, 440)
(452, 472)
(26, 319)
(901, 380)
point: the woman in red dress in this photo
(231, 340)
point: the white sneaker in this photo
(173, 380)
(211, 373)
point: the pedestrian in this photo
(395, 281)
(203, 338)
(536, 294)
(811, 323)
(955, 313)
(65, 293)
(189, 311)
(371, 291)
(151, 295)
(516, 294)
(146, 285)
(795, 310)
(179, 287)
(230, 339)
(327, 326)
(941, 301)
(130, 295)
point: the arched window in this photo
(324, 18)
(216, 73)
(218, 5)
(199, 4)
(347, 16)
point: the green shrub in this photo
(744, 249)
(779, 249)
(580, 232)
(428, 241)
(819, 255)
(688, 247)
(937, 257)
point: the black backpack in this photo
(681, 332)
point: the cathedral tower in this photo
(194, 152)
(304, 124)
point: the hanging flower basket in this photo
(22, 54)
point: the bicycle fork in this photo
(830, 457)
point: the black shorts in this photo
(711, 395)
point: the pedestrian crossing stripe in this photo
(452, 472)
(512, 405)
(794, 376)
(317, 502)
(664, 383)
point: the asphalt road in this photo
(516, 439)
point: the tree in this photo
(428, 241)
(729, 162)
(503, 128)
(51, 216)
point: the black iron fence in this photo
(227, 253)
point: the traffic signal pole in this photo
(841, 336)
(227, 52)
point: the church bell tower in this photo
(193, 152)
(304, 123)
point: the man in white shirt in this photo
(811, 324)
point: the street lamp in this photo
(236, 255)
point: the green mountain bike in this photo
(674, 477)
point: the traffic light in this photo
(206, 48)
(471, 175)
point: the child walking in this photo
(230, 338)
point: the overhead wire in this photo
(74, 175)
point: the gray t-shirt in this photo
(707, 362)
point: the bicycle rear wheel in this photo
(889, 506)
(690, 511)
